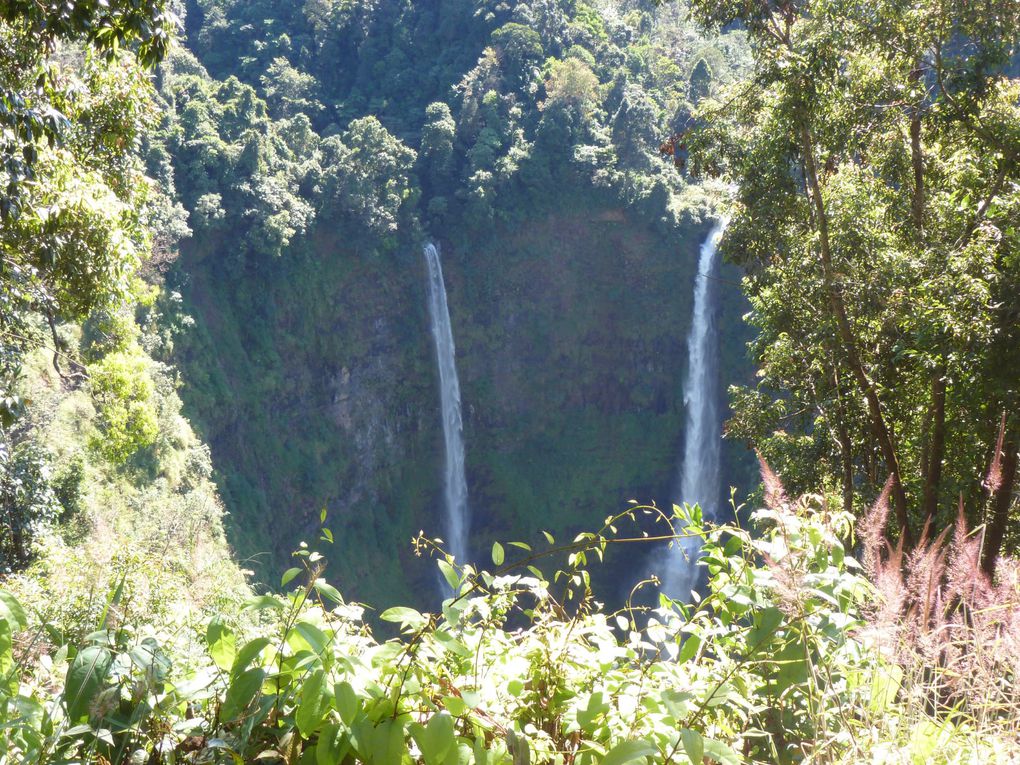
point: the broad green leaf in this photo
(241, 692)
(455, 705)
(720, 752)
(221, 642)
(149, 657)
(628, 751)
(435, 739)
(694, 745)
(885, 684)
(767, 622)
(8, 670)
(347, 702)
(85, 679)
(328, 591)
(449, 574)
(263, 602)
(288, 576)
(12, 612)
(406, 617)
(596, 707)
(497, 554)
(312, 704)
(332, 745)
(306, 636)
(248, 654)
(381, 744)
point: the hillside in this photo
(295, 295)
(570, 310)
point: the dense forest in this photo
(372, 391)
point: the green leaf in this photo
(248, 654)
(149, 657)
(263, 602)
(312, 705)
(720, 752)
(434, 739)
(308, 636)
(628, 751)
(688, 649)
(406, 617)
(549, 537)
(497, 554)
(347, 702)
(288, 576)
(449, 574)
(8, 672)
(767, 622)
(380, 744)
(85, 679)
(885, 684)
(596, 707)
(328, 591)
(694, 745)
(241, 692)
(332, 746)
(222, 643)
(12, 612)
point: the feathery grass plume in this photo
(886, 612)
(965, 579)
(925, 569)
(954, 631)
(775, 494)
(871, 529)
(993, 481)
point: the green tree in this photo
(519, 49)
(572, 85)
(366, 175)
(436, 156)
(72, 186)
(875, 159)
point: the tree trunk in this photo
(1001, 501)
(849, 344)
(845, 447)
(936, 446)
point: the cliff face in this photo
(317, 146)
(314, 380)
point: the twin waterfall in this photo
(699, 469)
(455, 487)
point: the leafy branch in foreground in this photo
(514, 668)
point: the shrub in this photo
(27, 500)
(123, 390)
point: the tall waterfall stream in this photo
(699, 467)
(455, 484)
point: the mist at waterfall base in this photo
(699, 474)
(455, 496)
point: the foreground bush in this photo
(515, 669)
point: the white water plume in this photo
(699, 467)
(455, 484)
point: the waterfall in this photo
(699, 468)
(455, 486)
